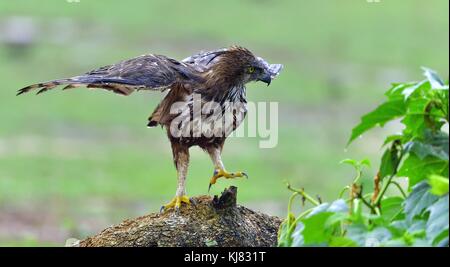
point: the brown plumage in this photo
(214, 79)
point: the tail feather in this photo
(43, 86)
(120, 89)
(73, 85)
(112, 84)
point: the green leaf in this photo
(389, 162)
(314, 232)
(297, 236)
(336, 206)
(284, 236)
(364, 162)
(387, 111)
(434, 79)
(434, 144)
(336, 218)
(408, 229)
(339, 241)
(438, 220)
(391, 207)
(351, 162)
(439, 184)
(414, 119)
(318, 226)
(284, 233)
(417, 228)
(397, 89)
(368, 238)
(423, 150)
(442, 239)
(420, 86)
(419, 199)
(392, 138)
(417, 169)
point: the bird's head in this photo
(238, 65)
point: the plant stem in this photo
(383, 191)
(358, 175)
(301, 216)
(365, 202)
(343, 191)
(365, 196)
(304, 194)
(377, 201)
(291, 199)
(377, 211)
(399, 188)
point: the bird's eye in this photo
(251, 69)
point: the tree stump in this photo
(210, 221)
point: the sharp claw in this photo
(209, 187)
(161, 210)
(193, 202)
(246, 176)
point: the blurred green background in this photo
(75, 162)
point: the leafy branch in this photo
(419, 215)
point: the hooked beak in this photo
(271, 71)
(266, 78)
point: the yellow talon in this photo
(176, 203)
(218, 173)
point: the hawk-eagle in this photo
(217, 77)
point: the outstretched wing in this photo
(153, 72)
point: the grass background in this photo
(72, 163)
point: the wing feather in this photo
(149, 72)
(203, 60)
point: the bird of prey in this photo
(217, 77)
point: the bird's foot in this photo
(218, 173)
(176, 203)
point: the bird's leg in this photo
(181, 159)
(219, 170)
